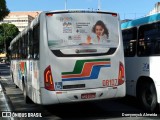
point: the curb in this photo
(7, 103)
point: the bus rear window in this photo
(68, 29)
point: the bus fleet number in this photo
(110, 83)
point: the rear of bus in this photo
(76, 64)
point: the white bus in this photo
(69, 56)
(141, 38)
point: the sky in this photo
(128, 9)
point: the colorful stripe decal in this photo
(86, 69)
(22, 70)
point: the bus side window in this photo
(150, 45)
(16, 50)
(157, 47)
(129, 40)
(30, 44)
(36, 37)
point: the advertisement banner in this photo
(82, 28)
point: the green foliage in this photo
(7, 33)
(4, 11)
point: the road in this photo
(113, 109)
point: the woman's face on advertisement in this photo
(99, 30)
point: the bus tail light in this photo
(114, 14)
(121, 74)
(48, 79)
(49, 14)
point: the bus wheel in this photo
(26, 98)
(148, 96)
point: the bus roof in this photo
(141, 21)
(36, 20)
(79, 11)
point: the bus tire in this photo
(26, 98)
(148, 96)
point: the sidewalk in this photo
(5, 104)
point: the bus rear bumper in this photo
(48, 97)
(55, 97)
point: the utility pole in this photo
(65, 5)
(99, 4)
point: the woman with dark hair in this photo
(101, 31)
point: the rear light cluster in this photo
(121, 74)
(49, 14)
(114, 14)
(48, 79)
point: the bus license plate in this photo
(88, 95)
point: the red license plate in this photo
(88, 95)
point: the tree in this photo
(4, 11)
(7, 33)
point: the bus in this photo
(69, 56)
(141, 38)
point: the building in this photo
(20, 19)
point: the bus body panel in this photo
(96, 73)
(33, 81)
(144, 67)
(28, 72)
(154, 74)
(154, 69)
(134, 70)
(158, 92)
(59, 65)
(93, 85)
(14, 70)
(94, 78)
(50, 97)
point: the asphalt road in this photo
(113, 109)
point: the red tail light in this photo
(48, 80)
(114, 14)
(49, 14)
(121, 74)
